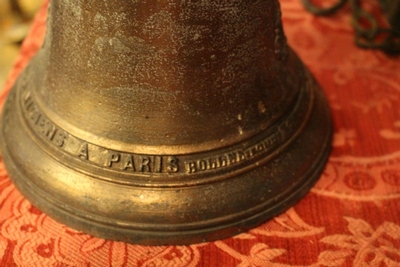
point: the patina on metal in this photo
(165, 122)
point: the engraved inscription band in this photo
(171, 166)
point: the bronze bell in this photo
(165, 122)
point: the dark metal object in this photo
(392, 10)
(369, 34)
(165, 122)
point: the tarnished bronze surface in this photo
(165, 122)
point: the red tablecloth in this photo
(350, 218)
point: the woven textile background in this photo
(350, 218)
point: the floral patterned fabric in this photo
(350, 218)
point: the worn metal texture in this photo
(165, 122)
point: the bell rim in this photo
(202, 234)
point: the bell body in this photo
(165, 122)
